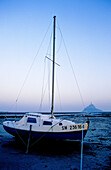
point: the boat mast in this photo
(53, 67)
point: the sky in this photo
(83, 38)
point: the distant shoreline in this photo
(58, 114)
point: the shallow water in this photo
(57, 155)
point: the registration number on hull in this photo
(73, 127)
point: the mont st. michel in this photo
(91, 108)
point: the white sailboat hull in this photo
(43, 127)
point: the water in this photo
(67, 155)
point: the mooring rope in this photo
(81, 149)
(18, 134)
(45, 133)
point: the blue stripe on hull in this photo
(47, 135)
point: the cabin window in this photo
(60, 124)
(31, 120)
(47, 123)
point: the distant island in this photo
(91, 108)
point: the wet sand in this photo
(96, 151)
(42, 155)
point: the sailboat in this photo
(47, 126)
